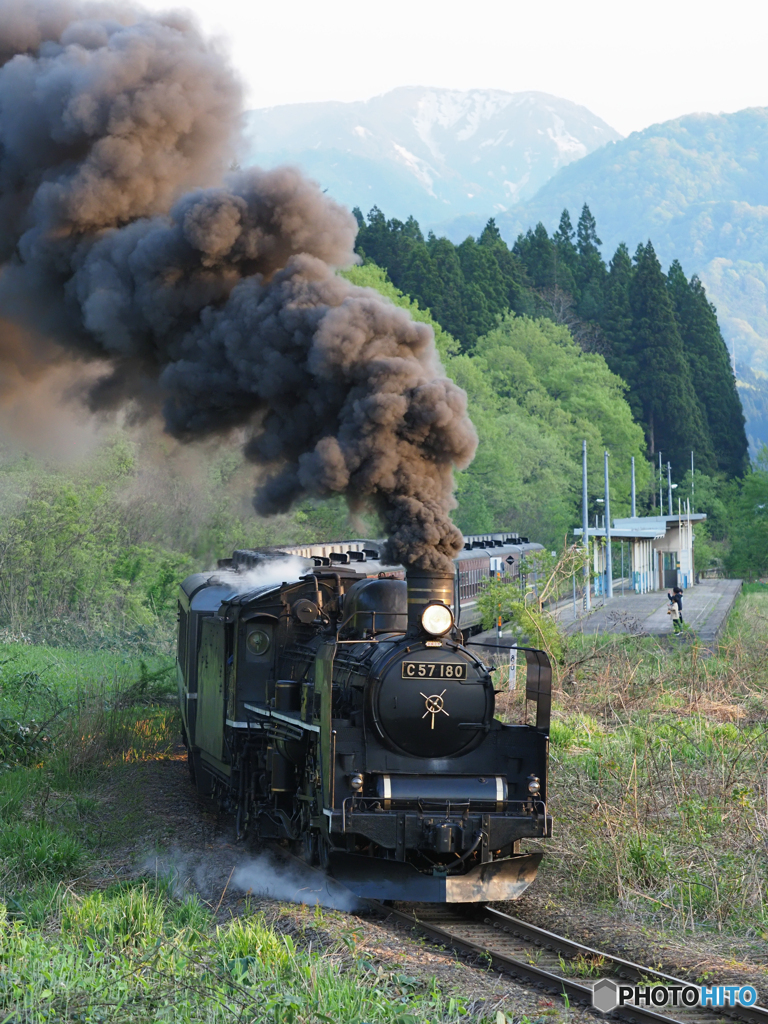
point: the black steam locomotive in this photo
(345, 715)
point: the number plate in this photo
(434, 670)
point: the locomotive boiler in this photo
(344, 715)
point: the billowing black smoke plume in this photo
(211, 297)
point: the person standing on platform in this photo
(676, 608)
(674, 611)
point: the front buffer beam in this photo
(372, 878)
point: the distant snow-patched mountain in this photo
(433, 153)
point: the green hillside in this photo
(94, 551)
(534, 394)
(696, 186)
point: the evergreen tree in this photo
(586, 233)
(511, 268)
(412, 230)
(376, 240)
(566, 257)
(401, 249)
(479, 266)
(490, 234)
(536, 250)
(418, 276)
(711, 372)
(622, 355)
(590, 272)
(671, 413)
(448, 307)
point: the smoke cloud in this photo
(210, 297)
(266, 874)
(271, 573)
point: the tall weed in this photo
(659, 778)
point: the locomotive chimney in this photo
(424, 587)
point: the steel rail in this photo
(439, 925)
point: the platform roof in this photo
(641, 527)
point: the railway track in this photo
(558, 966)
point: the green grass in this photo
(68, 718)
(30, 674)
(77, 711)
(659, 777)
(134, 953)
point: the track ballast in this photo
(551, 962)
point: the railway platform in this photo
(706, 608)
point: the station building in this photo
(660, 550)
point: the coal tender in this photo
(344, 716)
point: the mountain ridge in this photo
(427, 152)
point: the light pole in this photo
(585, 524)
(598, 503)
(622, 568)
(634, 504)
(608, 559)
(669, 487)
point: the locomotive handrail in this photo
(284, 716)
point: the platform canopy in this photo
(661, 550)
(641, 527)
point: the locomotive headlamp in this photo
(436, 619)
(534, 785)
(356, 782)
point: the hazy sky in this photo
(631, 63)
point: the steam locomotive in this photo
(342, 712)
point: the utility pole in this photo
(585, 523)
(693, 487)
(661, 493)
(669, 486)
(634, 504)
(608, 560)
(622, 568)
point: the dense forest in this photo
(658, 332)
(696, 185)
